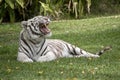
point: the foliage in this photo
(89, 34)
(24, 9)
(7, 6)
(69, 7)
(12, 9)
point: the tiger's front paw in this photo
(23, 58)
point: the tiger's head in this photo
(37, 27)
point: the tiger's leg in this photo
(48, 57)
(83, 53)
(77, 52)
(23, 57)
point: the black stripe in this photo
(22, 38)
(25, 54)
(32, 41)
(43, 52)
(74, 51)
(33, 32)
(25, 49)
(28, 55)
(81, 51)
(33, 26)
(41, 47)
(69, 49)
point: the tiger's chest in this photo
(38, 49)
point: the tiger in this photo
(34, 45)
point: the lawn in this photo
(89, 34)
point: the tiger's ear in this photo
(24, 24)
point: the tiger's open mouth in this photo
(44, 29)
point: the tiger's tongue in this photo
(45, 30)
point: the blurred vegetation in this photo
(17, 10)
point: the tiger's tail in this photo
(103, 50)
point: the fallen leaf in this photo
(40, 72)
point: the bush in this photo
(11, 10)
(17, 10)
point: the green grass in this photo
(88, 34)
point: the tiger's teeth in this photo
(44, 29)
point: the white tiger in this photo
(33, 45)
